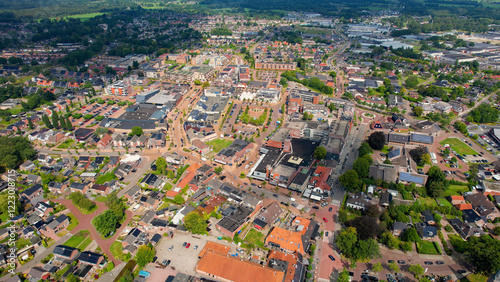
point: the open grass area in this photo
(429, 201)
(77, 239)
(219, 144)
(458, 146)
(85, 243)
(84, 211)
(443, 202)
(106, 178)
(475, 278)
(101, 199)
(385, 150)
(426, 247)
(85, 17)
(73, 222)
(255, 237)
(66, 144)
(456, 190)
(117, 251)
(322, 31)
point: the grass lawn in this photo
(117, 251)
(167, 186)
(85, 243)
(105, 178)
(219, 144)
(456, 190)
(101, 199)
(475, 278)
(66, 144)
(429, 201)
(458, 146)
(77, 239)
(443, 202)
(85, 17)
(164, 205)
(426, 247)
(73, 222)
(255, 237)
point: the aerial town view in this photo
(250, 141)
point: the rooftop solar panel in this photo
(408, 177)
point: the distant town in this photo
(150, 146)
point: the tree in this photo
(350, 180)
(436, 182)
(106, 222)
(366, 227)
(418, 155)
(389, 240)
(136, 130)
(416, 269)
(362, 167)
(14, 151)
(195, 223)
(364, 149)
(411, 235)
(198, 82)
(218, 170)
(418, 111)
(55, 119)
(72, 278)
(67, 109)
(344, 276)
(145, 255)
(30, 124)
(377, 267)
(69, 125)
(346, 240)
(376, 140)
(394, 267)
(412, 81)
(206, 84)
(319, 153)
(484, 253)
(46, 121)
(485, 113)
(473, 171)
(62, 122)
(161, 165)
(115, 205)
(9, 205)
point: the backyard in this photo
(458, 146)
(456, 190)
(255, 237)
(117, 251)
(219, 144)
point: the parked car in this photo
(331, 257)
(428, 263)
(439, 262)
(195, 247)
(330, 209)
(170, 248)
(188, 245)
(401, 262)
(184, 244)
(461, 271)
(324, 218)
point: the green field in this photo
(85, 17)
(426, 247)
(443, 202)
(73, 222)
(458, 146)
(66, 144)
(255, 237)
(323, 31)
(78, 239)
(475, 278)
(456, 190)
(117, 251)
(219, 144)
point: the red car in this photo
(324, 218)
(188, 245)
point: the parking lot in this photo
(185, 259)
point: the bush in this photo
(79, 200)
